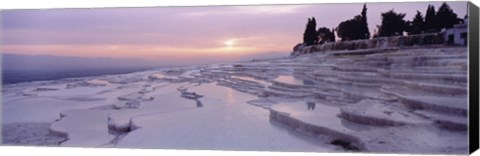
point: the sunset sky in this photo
(181, 35)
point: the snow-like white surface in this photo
(84, 128)
(161, 76)
(40, 109)
(225, 121)
(374, 112)
(246, 78)
(411, 101)
(98, 82)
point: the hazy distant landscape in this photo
(22, 68)
(10, 77)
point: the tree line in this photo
(393, 24)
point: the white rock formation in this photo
(401, 100)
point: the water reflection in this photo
(286, 79)
(311, 105)
(354, 126)
(293, 80)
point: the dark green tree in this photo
(333, 33)
(348, 30)
(325, 35)
(305, 33)
(354, 29)
(393, 24)
(364, 26)
(310, 34)
(430, 20)
(416, 26)
(447, 18)
(313, 31)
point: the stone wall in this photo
(375, 43)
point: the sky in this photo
(181, 35)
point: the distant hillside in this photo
(23, 68)
(15, 62)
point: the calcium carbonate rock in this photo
(383, 95)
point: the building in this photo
(457, 35)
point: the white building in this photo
(458, 34)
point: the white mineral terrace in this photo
(407, 101)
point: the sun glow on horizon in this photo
(229, 43)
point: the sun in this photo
(229, 43)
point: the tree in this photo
(313, 31)
(325, 35)
(348, 30)
(333, 35)
(354, 29)
(430, 20)
(416, 26)
(447, 16)
(392, 24)
(310, 34)
(364, 24)
(305, 33)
